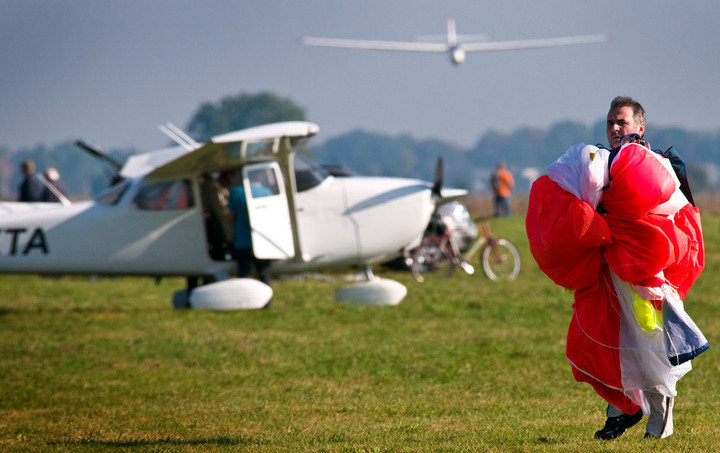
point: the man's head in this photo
(27, 167)
(51, 174)
(226, 178)
(626, 116)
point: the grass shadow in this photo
(215, 441)
(54, 310)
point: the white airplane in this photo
(454, 44)
(163, 219)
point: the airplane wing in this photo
(484, 37)
(533, 43)
(376, 45)
(218, 154)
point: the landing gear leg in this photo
(181, 298)
(367, 270)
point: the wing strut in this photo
(286, 152)
(179, 136)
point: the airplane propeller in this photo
(95, 151)
(438, 181)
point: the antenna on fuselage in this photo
(179, 136)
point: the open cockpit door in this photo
(268, 210)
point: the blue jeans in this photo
(502, 206)
(245, 260)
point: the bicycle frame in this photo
(436, 247)
(486, 236)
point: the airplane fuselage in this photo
(342, 221)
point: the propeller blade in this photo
(99, 153)
(114, 172)
(438, 183)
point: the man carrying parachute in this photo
(616, 228)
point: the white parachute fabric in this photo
(643, 354)
(582, 171)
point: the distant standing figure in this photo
(502, 183)
(53, 177)
(224, 183)
(242, 238)
(31, 189)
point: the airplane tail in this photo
(451, 33)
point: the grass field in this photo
(462, 364)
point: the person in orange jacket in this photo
(502, 184)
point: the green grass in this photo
(462, 364)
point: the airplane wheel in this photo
(181, 299)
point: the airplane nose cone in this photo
(458, 55)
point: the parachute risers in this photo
(233, 294)
(374, 292)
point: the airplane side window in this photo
(307, 174)
(165, 196)
(263, 182)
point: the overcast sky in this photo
(111, 71)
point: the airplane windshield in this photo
(112, 194)
(307, 173)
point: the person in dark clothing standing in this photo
(31, 189)
(52, 176)
(242, 240)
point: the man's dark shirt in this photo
(31, 189)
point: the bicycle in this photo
(499, 258)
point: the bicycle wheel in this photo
(500, 260)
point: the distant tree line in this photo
(233, 113)
(526, 151)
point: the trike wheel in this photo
(430, 256)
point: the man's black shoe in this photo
(615, 426)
